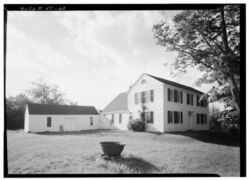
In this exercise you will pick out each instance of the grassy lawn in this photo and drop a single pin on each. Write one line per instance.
(76, 152)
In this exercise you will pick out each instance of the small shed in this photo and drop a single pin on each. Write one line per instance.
(56, 118)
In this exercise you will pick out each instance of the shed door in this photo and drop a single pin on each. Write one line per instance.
(71, 125)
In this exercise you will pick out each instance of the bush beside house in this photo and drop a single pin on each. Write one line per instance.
(136, 125)
(227, 121)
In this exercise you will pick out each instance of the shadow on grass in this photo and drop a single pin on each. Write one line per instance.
(136, 165)
(83, 132)
(211, 137)
(155, 133)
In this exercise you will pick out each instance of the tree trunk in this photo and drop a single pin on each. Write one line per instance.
(235, 92)
(233, 87)
(224, 32)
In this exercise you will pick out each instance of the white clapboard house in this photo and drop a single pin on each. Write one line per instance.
(42, 118)
(169, 106)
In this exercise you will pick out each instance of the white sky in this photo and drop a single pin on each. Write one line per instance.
(92, 55)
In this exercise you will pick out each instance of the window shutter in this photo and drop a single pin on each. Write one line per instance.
(169, 94)
(191, 99)
(181, 118)
(181, 97)
(205, 120)
(187, 98)
(198, 119)
(152, 116)
(169, 116)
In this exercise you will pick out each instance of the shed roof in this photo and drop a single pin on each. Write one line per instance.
(175, 84)
(43, 109)
(120, 103)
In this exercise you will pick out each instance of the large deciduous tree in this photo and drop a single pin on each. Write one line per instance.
(208, 40)
(45, 93)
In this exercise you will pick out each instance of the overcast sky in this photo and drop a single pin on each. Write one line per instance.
(92, 55)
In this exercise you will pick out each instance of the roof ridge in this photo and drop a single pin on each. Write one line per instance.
(44, 109)
(58, 105)
(166, 81)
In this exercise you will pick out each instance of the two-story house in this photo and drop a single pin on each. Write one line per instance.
(168, 106)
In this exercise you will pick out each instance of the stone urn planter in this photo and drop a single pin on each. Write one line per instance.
(111, 148)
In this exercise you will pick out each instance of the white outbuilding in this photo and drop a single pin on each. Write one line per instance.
(56, 118)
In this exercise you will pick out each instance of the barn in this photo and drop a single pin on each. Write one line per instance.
(56, 118)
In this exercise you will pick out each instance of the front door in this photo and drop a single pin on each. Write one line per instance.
(72, 124)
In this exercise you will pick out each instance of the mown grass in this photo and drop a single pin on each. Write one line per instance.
(76, 153)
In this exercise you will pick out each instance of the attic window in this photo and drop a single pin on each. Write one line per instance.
(143, 81)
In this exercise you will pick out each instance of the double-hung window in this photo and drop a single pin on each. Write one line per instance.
(152, 95)
(112, 119)
(170, 95)
(175, 117)
(190, 99)
(48, 121)
(120, 118)
(136, 98)
(179, 96)
(201, 118)
(91, 121)
(149, 117)
(198, 100)
(174, 95)
(143, 97)
(203, 103)
(198, 118)
(170, 117)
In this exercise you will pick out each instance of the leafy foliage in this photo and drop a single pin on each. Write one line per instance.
(15, 108)
(213, 120)
(208, 40)
(46, 93)
(229, 121)
(136, 125)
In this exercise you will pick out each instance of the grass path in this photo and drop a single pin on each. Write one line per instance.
(76, 152)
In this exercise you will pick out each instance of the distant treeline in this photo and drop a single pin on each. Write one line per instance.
(42, 92)
(14, 111)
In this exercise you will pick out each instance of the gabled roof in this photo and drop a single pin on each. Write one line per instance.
(175, 84)
(45, 109)
(120, 103)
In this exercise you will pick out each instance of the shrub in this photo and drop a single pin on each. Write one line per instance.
(214, 124)
(226, 121)
(136, 125)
